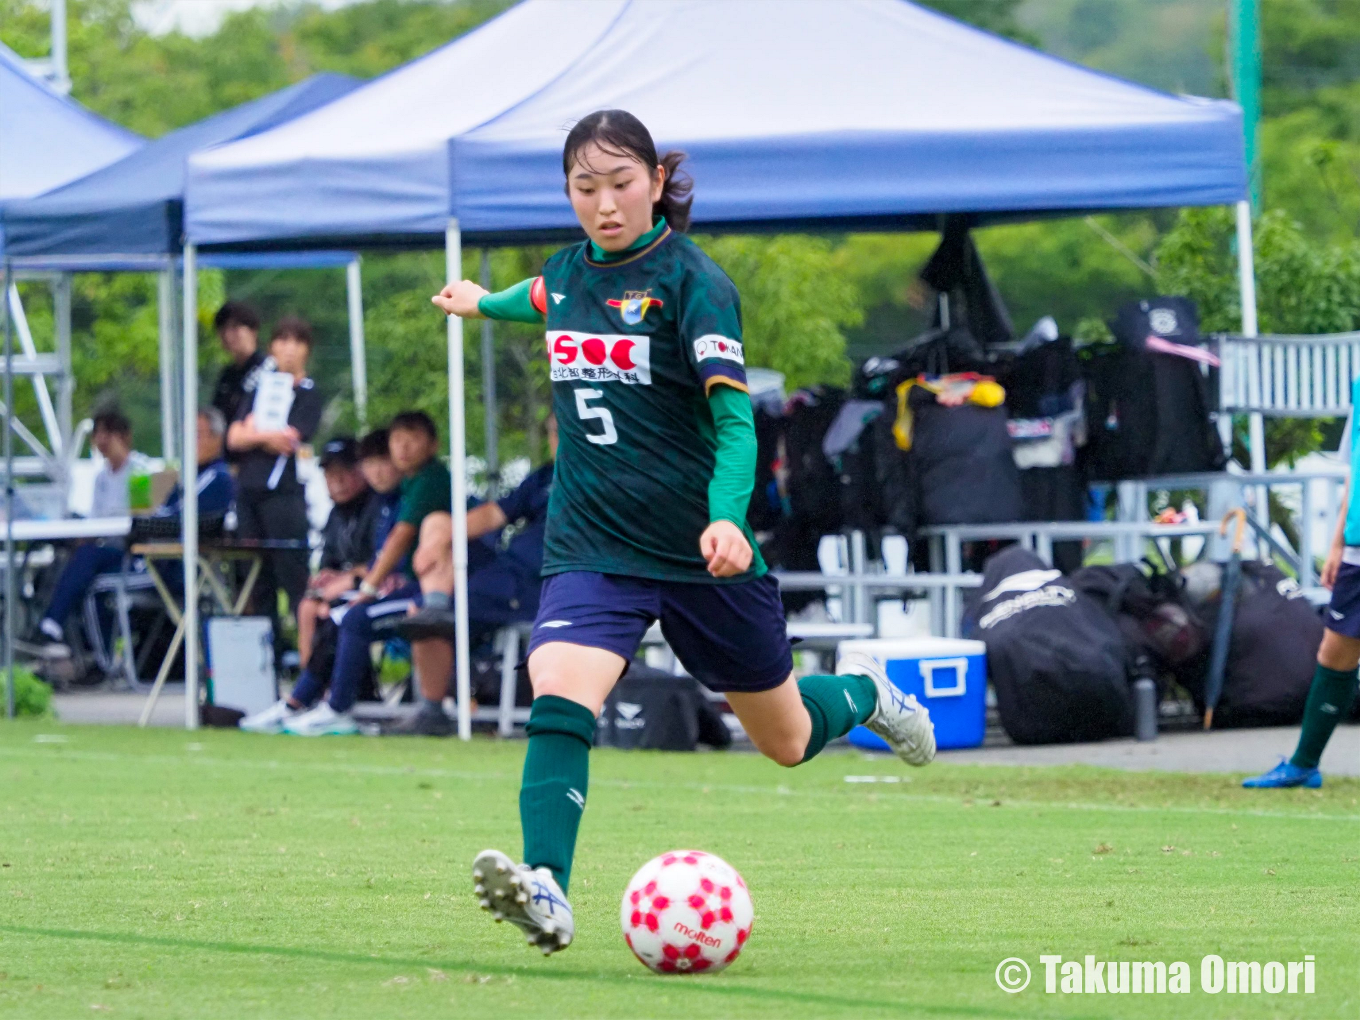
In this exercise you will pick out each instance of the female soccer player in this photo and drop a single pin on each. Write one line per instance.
(647, 518)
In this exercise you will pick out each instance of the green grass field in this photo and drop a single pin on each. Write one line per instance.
(165, 874)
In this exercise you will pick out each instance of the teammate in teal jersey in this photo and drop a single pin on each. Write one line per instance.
(647, 518)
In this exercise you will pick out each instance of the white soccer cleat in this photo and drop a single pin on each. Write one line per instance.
(322, 721)
(899, 718)
(271, 719)
(531, 900)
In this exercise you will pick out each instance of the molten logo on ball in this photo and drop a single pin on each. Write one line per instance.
(686, 912)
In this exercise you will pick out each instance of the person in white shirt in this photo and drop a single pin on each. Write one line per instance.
(112, 437)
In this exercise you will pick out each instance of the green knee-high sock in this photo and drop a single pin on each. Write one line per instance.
(1329, 701)
(553, 792)
(836, 704)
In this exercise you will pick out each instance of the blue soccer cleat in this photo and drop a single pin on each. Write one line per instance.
(1285, 775)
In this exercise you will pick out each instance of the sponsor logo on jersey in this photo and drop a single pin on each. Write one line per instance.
(595, 357)
(715, 346)
(634, 305)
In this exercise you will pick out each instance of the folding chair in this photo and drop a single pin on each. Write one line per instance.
(128, 587)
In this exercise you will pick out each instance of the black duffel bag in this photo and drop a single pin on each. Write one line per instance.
(1054, 657)
(1272, 651)
(651, 710)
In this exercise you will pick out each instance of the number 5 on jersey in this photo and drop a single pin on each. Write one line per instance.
(585, 412)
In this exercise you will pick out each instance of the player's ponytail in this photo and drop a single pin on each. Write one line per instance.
(620, 133)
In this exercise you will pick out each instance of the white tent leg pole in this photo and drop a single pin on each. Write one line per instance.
(11, 589)
(358, 359)
(489, 409)
(165, 308)
(188, 480)
(453, 255)
(1246, 282)
(65, 381)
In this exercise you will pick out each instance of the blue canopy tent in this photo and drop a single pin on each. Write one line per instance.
(872, 114)
(129, 216)
(47, 139)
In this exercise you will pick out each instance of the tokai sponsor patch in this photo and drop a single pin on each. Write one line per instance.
(716, 346)
(597, 357)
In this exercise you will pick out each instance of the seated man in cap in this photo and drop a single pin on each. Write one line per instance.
(363, 484)
(346, 540)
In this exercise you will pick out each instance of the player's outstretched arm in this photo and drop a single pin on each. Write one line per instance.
(461, 299)
(526, 301)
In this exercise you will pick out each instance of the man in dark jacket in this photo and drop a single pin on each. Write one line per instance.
(346, 539)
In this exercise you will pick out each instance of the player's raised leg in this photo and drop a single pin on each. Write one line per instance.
(793, 722)
(733, 638)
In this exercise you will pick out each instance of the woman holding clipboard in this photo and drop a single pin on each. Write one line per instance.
(269, 426)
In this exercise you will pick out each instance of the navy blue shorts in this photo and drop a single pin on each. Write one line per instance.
(1343, 614)
(730, 637)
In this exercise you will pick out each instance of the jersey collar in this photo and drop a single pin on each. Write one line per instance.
(597, 256)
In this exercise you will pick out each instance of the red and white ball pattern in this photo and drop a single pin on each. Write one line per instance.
(686, 912)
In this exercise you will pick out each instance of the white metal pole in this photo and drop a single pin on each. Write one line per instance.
(453, 256)
(11, 589)
(1246, 282)
(489, 406)
(66, 380)
(60, 71)
(165, 307)
(188, 480)
(358, 359)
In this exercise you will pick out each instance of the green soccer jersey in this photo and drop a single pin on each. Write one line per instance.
(634, 344)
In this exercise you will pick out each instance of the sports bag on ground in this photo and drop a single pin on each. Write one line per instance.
(651, 710)
(1151, 610)
(1272, 651)
(1054, 658)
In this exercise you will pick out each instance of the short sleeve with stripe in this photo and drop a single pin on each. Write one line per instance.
(710, 329)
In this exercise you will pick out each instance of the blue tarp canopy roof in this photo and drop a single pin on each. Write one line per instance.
(872, 113)
(46, 139)
(135, 206)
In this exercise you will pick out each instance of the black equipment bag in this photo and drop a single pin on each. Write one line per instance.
(1272, 651)
(1054, 658)
(651, 710)
(894, 475)
(813, 486)
(964, 471)
(1151, 610)
(1149, 409)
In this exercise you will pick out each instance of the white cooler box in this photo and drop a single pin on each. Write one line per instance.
(947, 675)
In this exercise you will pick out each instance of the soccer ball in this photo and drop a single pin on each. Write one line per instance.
(686, 912)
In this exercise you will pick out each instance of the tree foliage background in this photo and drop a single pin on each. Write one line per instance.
(810, 303)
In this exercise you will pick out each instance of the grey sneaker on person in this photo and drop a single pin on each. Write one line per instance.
(426, 721)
